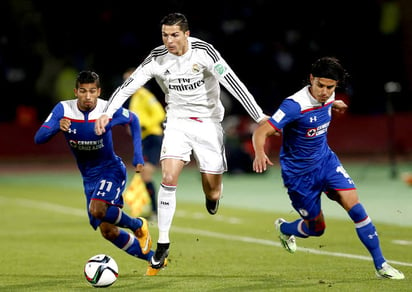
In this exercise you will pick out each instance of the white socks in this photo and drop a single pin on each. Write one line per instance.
(166, 207)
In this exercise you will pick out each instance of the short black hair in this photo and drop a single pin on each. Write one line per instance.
(329, 67)
(87, 77)
(176, 18)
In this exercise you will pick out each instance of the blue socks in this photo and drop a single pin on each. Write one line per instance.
(116, 216)
(364, 228)
(367, 233)
(294, 228)
(130, 244)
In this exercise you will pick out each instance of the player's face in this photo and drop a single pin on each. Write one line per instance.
(87, 95)
(322, 88)
(175, 39)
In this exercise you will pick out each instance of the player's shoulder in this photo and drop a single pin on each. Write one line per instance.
(158, 52)
(69, 106)
(68, 102)
(303, 99)
(203, 47)
(155, 56)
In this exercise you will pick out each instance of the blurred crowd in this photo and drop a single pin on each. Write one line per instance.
(269, 44)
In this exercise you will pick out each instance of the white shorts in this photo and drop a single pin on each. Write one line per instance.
(202, 136)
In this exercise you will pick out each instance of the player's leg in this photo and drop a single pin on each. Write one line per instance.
(212, 188)
(123, 240)
(175, 153)
(341, 189)
(104, 212)
(366, 231)
(210, 154)
(106, 202)
(364, 227)
(304, 193)
(171, 169)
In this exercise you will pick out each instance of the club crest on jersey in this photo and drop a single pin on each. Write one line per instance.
(195, 68)
(220, 69)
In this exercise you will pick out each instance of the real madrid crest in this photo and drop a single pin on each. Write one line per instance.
(195, 68)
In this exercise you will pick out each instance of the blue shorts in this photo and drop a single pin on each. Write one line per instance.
(151, 148)
(305, 190)
(108, 187)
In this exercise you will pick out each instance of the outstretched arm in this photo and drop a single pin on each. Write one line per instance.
(260, 134)
(138, 78)
(52, 125)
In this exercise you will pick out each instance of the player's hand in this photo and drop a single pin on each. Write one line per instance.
(99, 126)
(65, 124)
(264, 120)
(339, 106)
(139, 168)
(261, 162)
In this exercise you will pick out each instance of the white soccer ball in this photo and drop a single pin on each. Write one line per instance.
(101, 271)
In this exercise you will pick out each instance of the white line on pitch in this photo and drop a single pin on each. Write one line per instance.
(78, 212)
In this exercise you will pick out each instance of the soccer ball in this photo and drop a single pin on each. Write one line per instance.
(101, 271)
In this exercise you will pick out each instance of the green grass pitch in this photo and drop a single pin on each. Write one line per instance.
(46, 238)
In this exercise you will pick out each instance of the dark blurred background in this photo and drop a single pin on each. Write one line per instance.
(269, 44)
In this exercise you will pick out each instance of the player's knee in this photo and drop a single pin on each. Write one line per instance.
(109, 232)
(168, 180)
(316, 228)
(98, 209)
(98, 213)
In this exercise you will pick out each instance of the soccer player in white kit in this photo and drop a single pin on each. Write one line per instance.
(190, 72)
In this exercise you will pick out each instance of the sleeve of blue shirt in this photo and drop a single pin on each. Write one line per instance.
(51, 125)
(288, 111)
(124, 116)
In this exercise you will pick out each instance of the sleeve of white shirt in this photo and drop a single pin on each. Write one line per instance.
(222, 71)
(136, 80)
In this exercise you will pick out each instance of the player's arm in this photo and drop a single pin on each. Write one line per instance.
(227, 77)
(259, 136)
(51, 126)
(125, 117)
(136, 80)
(339, 106)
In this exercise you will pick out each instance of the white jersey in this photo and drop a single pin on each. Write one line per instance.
(190, 83)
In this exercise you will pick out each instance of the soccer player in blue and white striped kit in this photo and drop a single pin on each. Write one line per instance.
(310, 167)
(103, 172)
